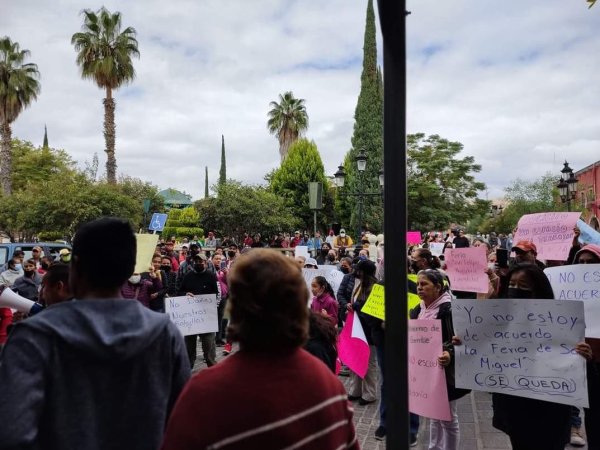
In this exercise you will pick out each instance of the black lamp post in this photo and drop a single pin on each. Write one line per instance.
(339, 179)
(567, 185)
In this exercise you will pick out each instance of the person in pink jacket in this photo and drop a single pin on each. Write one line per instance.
(324, 301)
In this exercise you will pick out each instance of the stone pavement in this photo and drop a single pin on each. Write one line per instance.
(474, 416)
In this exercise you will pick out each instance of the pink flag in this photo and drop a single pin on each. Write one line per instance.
(353, 348)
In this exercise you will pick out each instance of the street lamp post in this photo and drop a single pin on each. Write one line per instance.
(339, 180)
(567, 185)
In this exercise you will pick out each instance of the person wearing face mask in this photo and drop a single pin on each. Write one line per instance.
(135, 288)
(157, 298)
(187, 266)
(200, 281)
(322, 254)
(331, 259)
(589, 254)
(531, 423)
(170, 280)
(28, 285)
(13, 271)
(346, 265)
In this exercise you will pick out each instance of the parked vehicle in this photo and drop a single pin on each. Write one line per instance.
(48, 249)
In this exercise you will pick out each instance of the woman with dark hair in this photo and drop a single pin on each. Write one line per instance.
(364, 389)
(531, 423)
(322, 339)
(324, 301)
(590, 254)
(422, 258)
(436, 304)
(286, 396)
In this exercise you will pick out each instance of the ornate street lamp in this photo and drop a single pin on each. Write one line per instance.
(567, 185)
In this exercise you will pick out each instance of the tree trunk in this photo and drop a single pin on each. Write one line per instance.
(109, 137)
(5, 159)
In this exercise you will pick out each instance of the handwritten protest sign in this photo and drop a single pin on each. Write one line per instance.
(333, 277)
(428, 394)
(466, 269)
(552, 233)
(413, 237)
(521, 347)
(301, 250)
(436, 248)
(193, 315)
(375, 304)
(579, 282)
(146, 246)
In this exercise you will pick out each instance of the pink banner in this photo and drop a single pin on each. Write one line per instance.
(467, 269)
(413, 237)
(353, 348)
(552, 233)
(428, 394)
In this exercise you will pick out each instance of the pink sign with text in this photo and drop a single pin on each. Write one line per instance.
(552, 233)
(466, 268)
(428, 394)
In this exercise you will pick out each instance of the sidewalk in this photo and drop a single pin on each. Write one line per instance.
(474, 416)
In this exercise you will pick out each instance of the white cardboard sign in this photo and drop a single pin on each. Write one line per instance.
(193, 314)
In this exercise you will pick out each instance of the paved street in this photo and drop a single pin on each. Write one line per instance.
(474, 412)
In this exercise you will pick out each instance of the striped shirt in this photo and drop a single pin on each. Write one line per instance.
(263, 401)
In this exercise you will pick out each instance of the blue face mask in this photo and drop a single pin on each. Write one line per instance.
(362, 258)
(18, 266)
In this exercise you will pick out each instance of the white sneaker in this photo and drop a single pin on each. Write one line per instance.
(576, 437)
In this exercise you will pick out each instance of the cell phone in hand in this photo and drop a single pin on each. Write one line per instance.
(502, 257)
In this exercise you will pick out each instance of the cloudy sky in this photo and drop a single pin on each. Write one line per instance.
(517, 82)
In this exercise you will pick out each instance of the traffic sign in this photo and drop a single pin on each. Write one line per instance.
(157, 223)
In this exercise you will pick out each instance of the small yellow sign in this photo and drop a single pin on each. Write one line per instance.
(375, 304)
(146, 246)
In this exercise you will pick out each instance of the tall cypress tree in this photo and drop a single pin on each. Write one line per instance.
(45, 145)
(205, 181)
(223, 171)
(367, 136)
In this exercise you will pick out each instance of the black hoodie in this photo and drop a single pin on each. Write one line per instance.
(90, 374)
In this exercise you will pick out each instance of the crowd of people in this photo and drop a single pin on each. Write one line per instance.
(100, 372)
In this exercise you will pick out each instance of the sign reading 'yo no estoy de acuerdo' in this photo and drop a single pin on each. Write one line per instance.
(193, 314)
(521, 347)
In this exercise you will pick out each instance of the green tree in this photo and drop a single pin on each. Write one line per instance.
(139, 191)
(290, 182)
(104, 55)
(367, 137)
(183, 223)
(441, 186)
(34, 165)
(238, 208)
(287, 120)
(45, 144)
(525, 197)
(223, 170)
(19, 87)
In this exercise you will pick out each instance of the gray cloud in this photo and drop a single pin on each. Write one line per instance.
(515, 82)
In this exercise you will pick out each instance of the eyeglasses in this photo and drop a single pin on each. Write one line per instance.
(35, 251)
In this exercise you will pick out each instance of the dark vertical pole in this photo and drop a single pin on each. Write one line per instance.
(360, 206)
(393, 28)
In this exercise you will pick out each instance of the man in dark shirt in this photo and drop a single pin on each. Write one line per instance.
(461, 241)
(200, 281)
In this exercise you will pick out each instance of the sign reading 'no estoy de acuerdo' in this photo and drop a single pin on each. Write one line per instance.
(193, 314)
(521, 347)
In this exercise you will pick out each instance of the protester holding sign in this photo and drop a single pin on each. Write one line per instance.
(436, 304)
(532, 423)
(271, 393)
(590, 254)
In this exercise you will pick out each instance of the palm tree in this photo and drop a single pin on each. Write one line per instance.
(19, 86)
(287, 120)
(104, 54)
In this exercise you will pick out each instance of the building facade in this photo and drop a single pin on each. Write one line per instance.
(588, 193)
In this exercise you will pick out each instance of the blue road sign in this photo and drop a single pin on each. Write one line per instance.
(157, 223)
